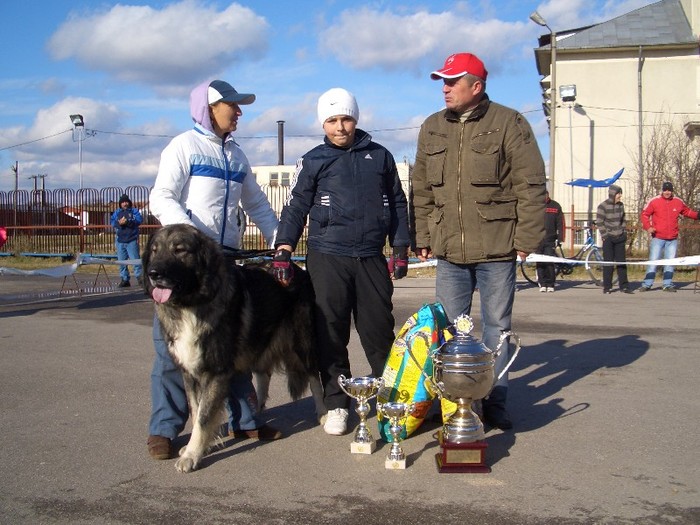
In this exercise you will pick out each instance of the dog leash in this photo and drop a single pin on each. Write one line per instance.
(235, 253)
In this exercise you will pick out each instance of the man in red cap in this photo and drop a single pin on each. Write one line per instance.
(478, 202)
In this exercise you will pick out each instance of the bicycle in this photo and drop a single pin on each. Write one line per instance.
(589, 252)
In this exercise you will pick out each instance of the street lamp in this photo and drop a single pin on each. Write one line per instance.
(79, 128)
(537, 18)
(568, 94)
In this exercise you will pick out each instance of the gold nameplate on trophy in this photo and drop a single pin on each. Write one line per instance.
(462, 457)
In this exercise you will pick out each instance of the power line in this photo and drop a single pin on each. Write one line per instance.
(380, 130)
(37, 140)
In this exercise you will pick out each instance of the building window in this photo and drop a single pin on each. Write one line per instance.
(274, 179)
(285, 178)
(692, 129)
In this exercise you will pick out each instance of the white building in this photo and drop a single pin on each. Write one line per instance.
(628, 74)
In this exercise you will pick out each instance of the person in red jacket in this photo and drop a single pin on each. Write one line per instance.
(660, 219)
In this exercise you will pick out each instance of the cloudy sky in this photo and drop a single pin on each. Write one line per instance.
(128, 69)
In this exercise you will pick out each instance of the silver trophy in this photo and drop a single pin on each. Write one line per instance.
(395, 412)
(464, 372)
(362, 389)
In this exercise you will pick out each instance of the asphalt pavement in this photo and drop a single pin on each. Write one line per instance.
(603, 397)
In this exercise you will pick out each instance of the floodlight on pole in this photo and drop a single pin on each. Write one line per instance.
(568, 94)
(537, 18)
(79, 129)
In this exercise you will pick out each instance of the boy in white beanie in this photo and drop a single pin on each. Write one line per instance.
(350, 190)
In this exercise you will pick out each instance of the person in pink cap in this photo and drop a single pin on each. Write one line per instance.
(478, 202)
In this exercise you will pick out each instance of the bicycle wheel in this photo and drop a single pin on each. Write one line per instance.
(595, 271)
(529, 271)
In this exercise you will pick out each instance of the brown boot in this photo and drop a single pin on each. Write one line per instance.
(159, 447)
(264, 433)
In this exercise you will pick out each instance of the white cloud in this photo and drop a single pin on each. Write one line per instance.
(180, 44)
(365, 38)
(571, 14)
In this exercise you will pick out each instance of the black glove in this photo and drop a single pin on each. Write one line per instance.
(282, 266)
(398, 263)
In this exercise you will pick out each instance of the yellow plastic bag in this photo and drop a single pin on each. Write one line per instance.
(404, 381)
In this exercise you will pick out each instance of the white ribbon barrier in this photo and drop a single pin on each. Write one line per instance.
(58, 271)
(67, 270)
(692, 260)
(82, 259)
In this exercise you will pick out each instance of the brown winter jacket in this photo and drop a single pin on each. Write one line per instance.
(478, 187)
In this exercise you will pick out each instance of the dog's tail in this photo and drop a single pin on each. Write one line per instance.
(297, 383)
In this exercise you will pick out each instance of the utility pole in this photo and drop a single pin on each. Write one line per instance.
(35, 193)
(15, 168)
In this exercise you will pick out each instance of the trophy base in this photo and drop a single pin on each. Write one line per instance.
(395, 464)
(363, 448)
(462, 457)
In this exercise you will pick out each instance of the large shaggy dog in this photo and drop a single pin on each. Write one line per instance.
(219, 318)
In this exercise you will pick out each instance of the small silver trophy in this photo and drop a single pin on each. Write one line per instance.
(362, 389)
(396, 459)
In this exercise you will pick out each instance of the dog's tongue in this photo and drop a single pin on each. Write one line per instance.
(161, 295)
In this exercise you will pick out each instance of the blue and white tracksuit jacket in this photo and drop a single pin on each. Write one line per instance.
(202, 180)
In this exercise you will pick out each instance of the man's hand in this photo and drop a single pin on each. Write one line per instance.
(651, 230)
(398, 263)
(424, 254)
(522, 255)
(282, 266)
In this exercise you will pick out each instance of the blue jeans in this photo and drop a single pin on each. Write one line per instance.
(455, 285)
(128, 250)
(169, 411)
(660, 249)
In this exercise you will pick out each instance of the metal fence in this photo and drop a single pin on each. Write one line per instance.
(63, 222)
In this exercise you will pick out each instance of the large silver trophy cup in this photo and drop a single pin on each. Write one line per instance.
(362, 389)
(464, 372)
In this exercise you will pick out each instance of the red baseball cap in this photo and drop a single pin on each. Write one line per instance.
(460, 64)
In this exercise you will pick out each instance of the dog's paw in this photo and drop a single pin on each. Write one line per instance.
(185, 464)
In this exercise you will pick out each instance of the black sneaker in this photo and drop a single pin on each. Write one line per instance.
(669, 289)
(607, 290)
(124, 284)
(644, 288)
(626, 290)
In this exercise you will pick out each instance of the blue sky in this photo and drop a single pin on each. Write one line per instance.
(128, 69)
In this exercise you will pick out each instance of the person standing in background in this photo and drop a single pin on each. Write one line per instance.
(126, 221)
(660, 219)
(612, 225)
(555, 234)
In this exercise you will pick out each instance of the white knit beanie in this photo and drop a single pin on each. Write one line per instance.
(337, 101)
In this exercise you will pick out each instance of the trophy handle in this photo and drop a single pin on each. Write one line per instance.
(341, 381)
(434, 386)
(504, 336)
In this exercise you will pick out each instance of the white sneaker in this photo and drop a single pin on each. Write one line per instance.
(550, 288)
(336, 422)
(543, 289)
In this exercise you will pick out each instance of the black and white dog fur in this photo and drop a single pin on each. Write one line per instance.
(219, 318)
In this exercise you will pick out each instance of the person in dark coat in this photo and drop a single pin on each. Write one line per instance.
(612, 225)
(555, 234)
